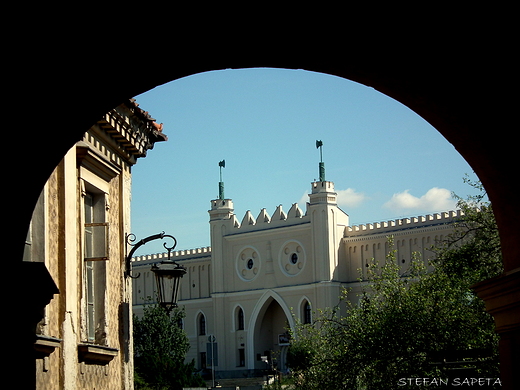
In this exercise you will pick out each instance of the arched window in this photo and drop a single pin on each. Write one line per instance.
(202, 324)
(307, 313)
(240, 319)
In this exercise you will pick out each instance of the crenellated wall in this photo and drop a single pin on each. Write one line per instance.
(295, 214)
(280, 218)
(185, 254)
(403, 224)
(414, 236)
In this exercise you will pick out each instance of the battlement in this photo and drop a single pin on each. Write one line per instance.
(295, 215)
(404, 223)
(175, 255)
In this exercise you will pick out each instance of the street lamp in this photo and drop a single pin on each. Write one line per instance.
(168, 273)
(168, 276)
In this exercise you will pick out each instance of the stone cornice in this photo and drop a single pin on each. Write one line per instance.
(134, 131)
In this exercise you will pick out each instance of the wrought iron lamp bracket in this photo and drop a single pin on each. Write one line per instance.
(130, 239)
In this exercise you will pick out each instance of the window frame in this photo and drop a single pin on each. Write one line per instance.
(240, 324)
(307, 312)
(94, 207)
(201, 325)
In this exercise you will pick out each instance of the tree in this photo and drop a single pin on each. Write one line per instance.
(472, 253)
(160, 349)
(403, 325)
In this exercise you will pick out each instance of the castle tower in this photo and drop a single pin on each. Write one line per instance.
(221, 209)
(328, 223)
(222, 219)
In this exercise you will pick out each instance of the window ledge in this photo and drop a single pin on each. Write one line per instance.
(96, 354)
(45, 345)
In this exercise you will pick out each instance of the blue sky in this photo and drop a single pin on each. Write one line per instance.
(385, 160)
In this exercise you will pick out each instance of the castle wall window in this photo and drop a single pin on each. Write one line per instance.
(240, 319)
(294, 258)
(202, 325)
(203, 360)
(241, 357)
(307, 313)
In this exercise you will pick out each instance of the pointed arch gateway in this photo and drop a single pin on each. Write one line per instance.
(269, 322)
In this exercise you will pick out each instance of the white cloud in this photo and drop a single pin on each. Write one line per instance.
(350, 198)
(435, 199)
(345, 198)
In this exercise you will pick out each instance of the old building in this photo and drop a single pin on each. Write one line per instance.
(263, 273)
(77, 237)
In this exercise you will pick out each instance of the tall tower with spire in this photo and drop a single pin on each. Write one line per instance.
(221, 208)
(328, 223)
(221, 164)
(221, 219)
(322, 190)
(319, 145)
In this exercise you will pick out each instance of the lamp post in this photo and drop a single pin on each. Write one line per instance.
(168, 273)
(168, 276)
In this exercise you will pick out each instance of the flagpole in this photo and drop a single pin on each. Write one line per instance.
(221, 164)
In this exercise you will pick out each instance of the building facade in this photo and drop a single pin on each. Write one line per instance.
(263, 274)
(77, 236)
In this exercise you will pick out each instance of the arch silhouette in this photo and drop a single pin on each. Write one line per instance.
(239, 318)
(304, 301)
(256, 318)
(201, 324)
(462, 91)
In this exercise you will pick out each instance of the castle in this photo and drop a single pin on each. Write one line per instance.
(262, 274)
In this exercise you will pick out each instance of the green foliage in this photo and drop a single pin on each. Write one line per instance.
(160, 348)
(473, 252)
(400, 324)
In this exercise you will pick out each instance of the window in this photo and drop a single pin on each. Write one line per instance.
(95, 252)
(203, 360)
(34, 249)
(307, 313)
(240, 319)
(294, 258)
(96, 228)
(241, 357)
(27, 252)
(180, 323)
(202, 325)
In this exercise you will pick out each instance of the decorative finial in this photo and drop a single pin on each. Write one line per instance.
(319, 144)
(221, 164)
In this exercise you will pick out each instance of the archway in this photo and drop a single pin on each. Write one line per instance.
(440, 85)
(269, 338)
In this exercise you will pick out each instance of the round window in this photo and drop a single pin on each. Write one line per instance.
(294, 258)
(248, 262)
(291, 257)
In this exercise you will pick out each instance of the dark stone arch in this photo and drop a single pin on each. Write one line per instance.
(462, 91)
(270, 320)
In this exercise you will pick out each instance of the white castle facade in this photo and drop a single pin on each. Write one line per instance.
(262, 274)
